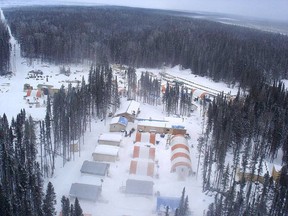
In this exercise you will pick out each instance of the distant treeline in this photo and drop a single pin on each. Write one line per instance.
(149, 38)
(4, 49)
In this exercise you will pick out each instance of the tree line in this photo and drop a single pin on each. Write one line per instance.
(5, 49)
(149, 38)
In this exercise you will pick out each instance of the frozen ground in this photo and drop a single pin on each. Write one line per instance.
(113, 202)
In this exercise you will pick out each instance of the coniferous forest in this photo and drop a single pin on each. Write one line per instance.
(149, 38)
(4, 50)
(250, 129)
(21, 188)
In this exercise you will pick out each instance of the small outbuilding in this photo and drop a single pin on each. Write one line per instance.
(144, 151)
(138, 186)
(95, 168)
(113, 139)
(178, 129)
(118, 124)
(85, 191)
(74, 146)
(106, 153)
(145, 137)
(276, 172)
(142, 167)
(163, 202)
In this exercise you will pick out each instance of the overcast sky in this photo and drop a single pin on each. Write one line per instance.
(271, 9)
(276, 9)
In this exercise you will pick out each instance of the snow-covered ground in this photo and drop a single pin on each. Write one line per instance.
(113, 202)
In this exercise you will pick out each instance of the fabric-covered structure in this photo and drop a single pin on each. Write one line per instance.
(95, 168)
(85, 191)
(163, 202)
(139, 186)
(106, 153)
(199, 94)
(35, 93)
(143, 150)
(142, 167)
(113, 139)
(146, 137)
(180, 156)
(118, 124)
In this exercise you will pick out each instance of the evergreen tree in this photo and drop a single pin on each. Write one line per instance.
(37, 190)
(183, 209)
(167, 211)
(49, 201)
(5, 207)
(77, 208)
(65, 206)
(4, 49)
(72, 210)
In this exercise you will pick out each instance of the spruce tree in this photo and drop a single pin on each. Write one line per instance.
(77, 208)
(65, 203)
(49, 201)
(5, 207)
(72, 210)
(167, 211)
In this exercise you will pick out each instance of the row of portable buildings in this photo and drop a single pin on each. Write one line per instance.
(97, 170)
(143, 169)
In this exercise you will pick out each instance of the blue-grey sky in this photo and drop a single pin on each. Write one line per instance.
(270, 9)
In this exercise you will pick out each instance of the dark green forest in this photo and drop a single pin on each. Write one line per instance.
(149, 38)
(4, 50)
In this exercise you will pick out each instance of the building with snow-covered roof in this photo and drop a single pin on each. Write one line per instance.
(163, 202)
(142, 167)
(106, 153)
(145, 137)
(161, 127)
(180, 156)
(85, 191)
(118, 124)
(144, 151)
(129, 110)
(95, 168)
(113, 139)
(139, 185)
